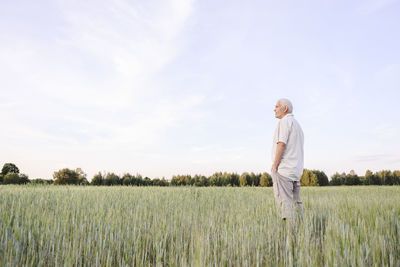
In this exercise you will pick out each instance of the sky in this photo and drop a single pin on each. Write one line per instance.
(189, 87)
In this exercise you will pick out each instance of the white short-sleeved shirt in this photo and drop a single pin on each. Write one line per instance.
(288, 131)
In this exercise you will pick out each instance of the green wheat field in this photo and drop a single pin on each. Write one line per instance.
(192, 226)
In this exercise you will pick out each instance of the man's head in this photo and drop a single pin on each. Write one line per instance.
(283, 107)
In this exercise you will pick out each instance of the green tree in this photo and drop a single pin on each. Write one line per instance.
(11, 178)
(244, 179)
(23, 178)
(368, 178)
(337, 179)
(396, 177)
(41, 181)
(321, 177)
(81, 177)
(112, 179)
(309, 178)
(66, 176)
(9, 167)
(181, 180)
(164, 182)
(384, 176)
(200, 180)
(127, 179)
(137, 180)
(254, 179)
(98, 179)
(234, 179)
(265, 179)
(217, 179)
(147, 181)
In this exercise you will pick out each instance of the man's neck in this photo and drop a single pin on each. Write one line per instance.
(286, 114)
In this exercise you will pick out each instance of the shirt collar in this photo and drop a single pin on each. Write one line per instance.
(288, 115)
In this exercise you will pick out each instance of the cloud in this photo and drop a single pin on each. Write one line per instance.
(97, 72)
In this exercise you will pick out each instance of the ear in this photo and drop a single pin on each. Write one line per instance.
(286, 109)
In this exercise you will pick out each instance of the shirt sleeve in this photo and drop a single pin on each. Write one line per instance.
(284, 131)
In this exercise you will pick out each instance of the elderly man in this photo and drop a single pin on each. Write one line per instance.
(288, 159)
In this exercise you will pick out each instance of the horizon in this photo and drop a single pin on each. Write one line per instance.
(167, 88)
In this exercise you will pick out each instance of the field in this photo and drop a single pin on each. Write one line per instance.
(190, 226)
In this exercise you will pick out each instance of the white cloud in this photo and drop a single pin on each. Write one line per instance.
(93, 81)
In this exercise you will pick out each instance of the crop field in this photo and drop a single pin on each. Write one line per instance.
(192, 226)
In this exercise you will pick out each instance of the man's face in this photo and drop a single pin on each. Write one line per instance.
(280, 110)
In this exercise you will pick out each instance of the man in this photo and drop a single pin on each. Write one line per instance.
(288, 159)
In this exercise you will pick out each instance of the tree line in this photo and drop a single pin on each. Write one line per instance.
(10, 174)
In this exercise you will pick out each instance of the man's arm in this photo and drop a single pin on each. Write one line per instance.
(280, 148)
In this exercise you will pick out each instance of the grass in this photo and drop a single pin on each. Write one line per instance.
(189, 226)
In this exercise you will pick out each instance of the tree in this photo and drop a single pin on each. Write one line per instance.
(23, 178)
(352, 179)
(164, 182)
(81, 177)
(112, 179)
(137, 180)
(66, 176)
(127, 179)
(200, 180)
(181, 180)
(11, 178)
(396, 177)
(368, 177)
(254, 179)
(217, 179)
(9, 167)
(244, 179)
(265, 179)
(309, 178)
(98, 179)
(41, 181)
(321, 177)
(147, 181)
(337, 179)
(386, 176)
(235, 179)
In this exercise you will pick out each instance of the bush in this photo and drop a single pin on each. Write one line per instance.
(66, 176)
(41, 181)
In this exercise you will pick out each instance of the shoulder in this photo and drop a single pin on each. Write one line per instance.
(287, 121)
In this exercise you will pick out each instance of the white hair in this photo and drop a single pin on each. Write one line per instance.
(286, 102)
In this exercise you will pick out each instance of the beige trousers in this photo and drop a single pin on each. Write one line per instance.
(287, 194)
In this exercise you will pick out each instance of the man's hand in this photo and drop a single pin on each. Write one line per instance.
(274, 168)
